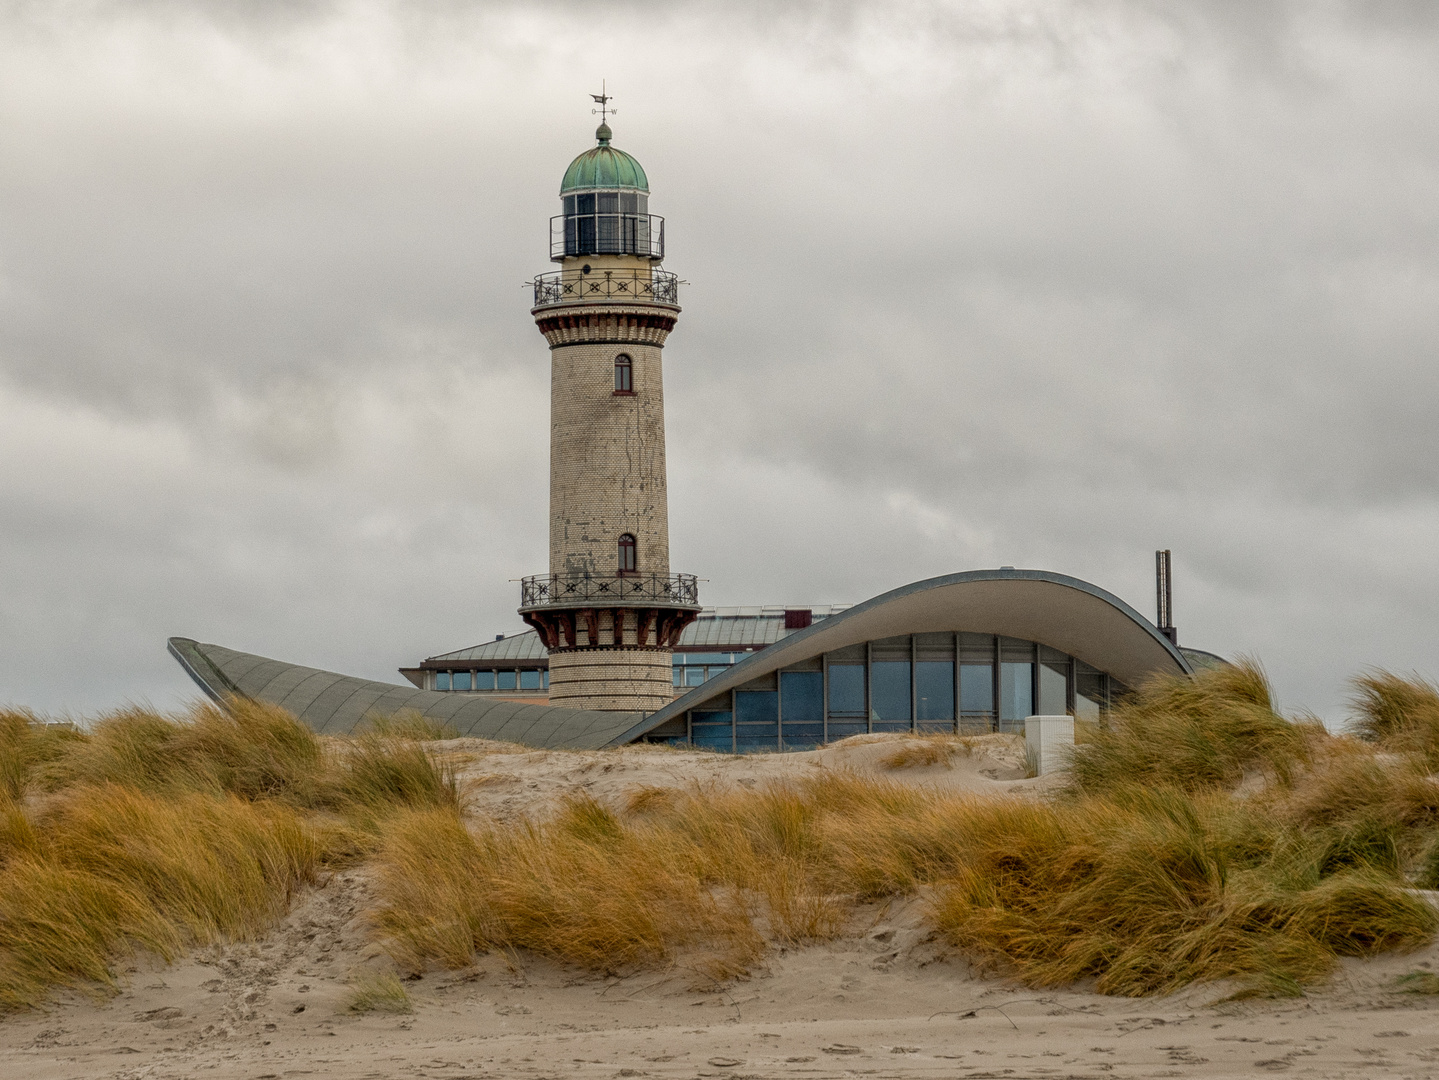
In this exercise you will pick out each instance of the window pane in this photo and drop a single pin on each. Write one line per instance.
(843, 729)
(678, 674)
(846, 690)
(694, 676)
(460, 680)
(506, 679)
(530, 680)
(1053, 688)
(712, 730)
(934, 693)
(1016, 695)
(609, 202)
(756, 720)
(585, 204)
(442, 680)
(889, 695)
(802, 708)
(802, 696)
(484, 680)
(976, 689)
(627, 202)
(545, 678)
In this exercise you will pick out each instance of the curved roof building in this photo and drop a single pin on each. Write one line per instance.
(970, 652)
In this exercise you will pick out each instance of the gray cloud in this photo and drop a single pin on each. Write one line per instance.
(1046, 284)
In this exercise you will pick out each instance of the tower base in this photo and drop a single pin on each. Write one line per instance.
(612, 680)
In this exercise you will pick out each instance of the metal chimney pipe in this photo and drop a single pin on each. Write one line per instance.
(1164, 595)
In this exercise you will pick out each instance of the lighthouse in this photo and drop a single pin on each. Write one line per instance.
(609, 610)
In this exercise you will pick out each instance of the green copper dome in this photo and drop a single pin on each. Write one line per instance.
(604, 167)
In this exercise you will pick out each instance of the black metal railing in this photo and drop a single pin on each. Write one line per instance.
(612, 590)
(607, 234)
(606, 286)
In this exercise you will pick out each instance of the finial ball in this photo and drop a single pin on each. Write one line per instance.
(604, 134)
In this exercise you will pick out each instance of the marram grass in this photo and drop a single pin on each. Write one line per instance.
(1202, 837)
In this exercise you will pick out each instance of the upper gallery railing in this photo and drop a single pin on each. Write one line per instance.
(607, 234)
(610, 590)
(606, 286)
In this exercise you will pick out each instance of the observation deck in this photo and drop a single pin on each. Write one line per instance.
(615, 286)
(609, 590)
(609, 611)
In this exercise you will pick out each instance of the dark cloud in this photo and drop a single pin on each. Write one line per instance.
(1044, 284)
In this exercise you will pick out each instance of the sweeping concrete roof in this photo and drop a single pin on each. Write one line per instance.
(1062, 612)
(333, 704)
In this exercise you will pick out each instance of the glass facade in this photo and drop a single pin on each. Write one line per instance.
(609, 223)
(967, 683)
(493, 679)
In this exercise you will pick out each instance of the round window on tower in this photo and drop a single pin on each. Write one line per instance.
(624, 374)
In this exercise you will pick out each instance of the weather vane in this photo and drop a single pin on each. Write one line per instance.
(603, 99)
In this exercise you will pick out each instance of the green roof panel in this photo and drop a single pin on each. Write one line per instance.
(604, 167)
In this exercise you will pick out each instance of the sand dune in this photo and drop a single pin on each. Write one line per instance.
(888, 1000)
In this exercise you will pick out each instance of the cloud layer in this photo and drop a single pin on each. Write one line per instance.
(1042, 284)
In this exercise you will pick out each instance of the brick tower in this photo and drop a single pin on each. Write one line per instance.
(609, 610)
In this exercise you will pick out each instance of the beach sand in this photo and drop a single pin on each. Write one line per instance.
(888, 1000)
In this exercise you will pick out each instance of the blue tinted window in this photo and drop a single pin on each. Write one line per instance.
(976, 689)
(460, 680)
(704, 658)
(530, 680)
(678, 674)
(756, 720)
(802, 708)
(484, 680)
(846, 690)
(934, 691)
(694, 676)
(1016, 694)
(802, 696)
(505, 679)
(712, 730)
(545, 678)
(442, 680)
(889, 695)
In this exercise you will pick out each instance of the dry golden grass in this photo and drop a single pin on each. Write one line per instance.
(1197, 734)
(582, 889)
(111, 868)
(1401, 715)
(1149, 874)
(160, 833)
(379, 992)
(919, 751)
(1145, 892)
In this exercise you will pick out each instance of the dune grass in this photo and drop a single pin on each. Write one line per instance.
(924, 750)
(160, 833)
(379, 992)
(1164, 862)
(1145, 893)
(110, 869)
(1399, 714)
(1197, 734)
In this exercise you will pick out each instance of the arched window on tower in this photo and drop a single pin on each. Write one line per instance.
(624, 374)
(627, 554)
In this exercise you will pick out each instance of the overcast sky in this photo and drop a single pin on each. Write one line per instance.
(1046, 284)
